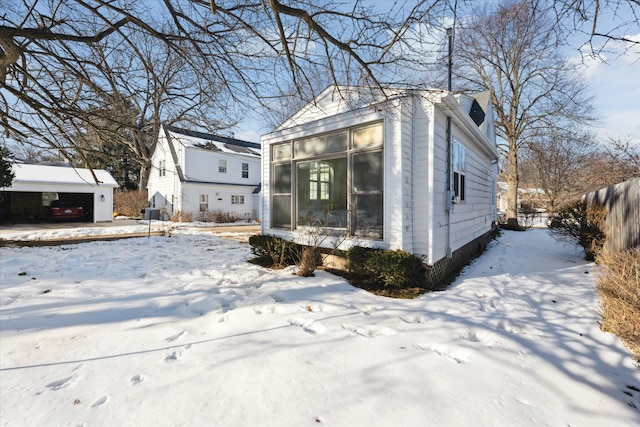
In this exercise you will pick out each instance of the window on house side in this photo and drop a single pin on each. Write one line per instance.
(245, 170)
(222, 166)
(237, 200)
(162, 168)
(204, 202)
(459, 170)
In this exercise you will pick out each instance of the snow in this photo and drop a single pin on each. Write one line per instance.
(182, 330)
(38, 174)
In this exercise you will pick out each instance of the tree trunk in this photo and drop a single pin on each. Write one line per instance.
(512, 190)
(145, 171)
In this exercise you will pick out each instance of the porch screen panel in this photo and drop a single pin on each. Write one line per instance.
(281, 215)
(367, 196)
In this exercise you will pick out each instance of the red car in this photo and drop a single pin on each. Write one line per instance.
(61, 210)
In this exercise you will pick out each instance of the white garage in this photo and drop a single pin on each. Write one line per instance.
(34, 187)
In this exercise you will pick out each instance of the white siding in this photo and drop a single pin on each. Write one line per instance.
(422, 124)
(473, 217)
(219, 197)
(202, 165)
(164, 190)
(438, 186)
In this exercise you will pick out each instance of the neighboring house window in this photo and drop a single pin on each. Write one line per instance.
(162, 167)
(153, 201)
(222, 166)
(245, 170)
(459, 170)
(237, 200)
(204, 202)
(338, 181)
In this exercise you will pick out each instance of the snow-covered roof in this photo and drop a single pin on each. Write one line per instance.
(41, 174)
(208, 141)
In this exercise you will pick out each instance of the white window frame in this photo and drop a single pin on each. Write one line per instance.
(204, 202)
(237, 200)
(459, 171)
(162, 167)
(222, 166)
(245, 170)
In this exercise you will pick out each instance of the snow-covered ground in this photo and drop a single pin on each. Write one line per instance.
(181, 330)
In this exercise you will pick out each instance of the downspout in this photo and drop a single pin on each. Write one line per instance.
(448, 194)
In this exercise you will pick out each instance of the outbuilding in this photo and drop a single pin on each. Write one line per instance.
(34, 187)
(413, 170)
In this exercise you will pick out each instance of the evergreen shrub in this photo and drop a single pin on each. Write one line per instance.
(394, 268)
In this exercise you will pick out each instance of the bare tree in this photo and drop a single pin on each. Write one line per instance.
(555, 164)
(63, 61)
(625, 151)
(589, 17)
(514, 53)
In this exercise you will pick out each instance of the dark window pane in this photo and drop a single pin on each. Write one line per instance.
(367, 172)
(456, 187)
(282, 179)
(368, 213)
(282, 211)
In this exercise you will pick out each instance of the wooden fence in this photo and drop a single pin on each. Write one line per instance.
(622, 202)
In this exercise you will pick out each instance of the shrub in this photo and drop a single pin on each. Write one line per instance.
(308, 259)
(581, 223)
(280, 252)
(129, 203)
(619, 290)
(218, 217)
(394, 268)
(181, 216)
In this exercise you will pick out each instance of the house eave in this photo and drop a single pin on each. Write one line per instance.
(452, 108)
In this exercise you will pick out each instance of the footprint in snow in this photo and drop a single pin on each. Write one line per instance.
(174, 355)
(137, 379)
(175, 336)
(100, 401)
(481, 336)
(61, 383)
(369, 331)
(309, 326)
(455, 355)
(418, 318)
(365, 309)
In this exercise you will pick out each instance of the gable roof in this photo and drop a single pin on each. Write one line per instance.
(44, 174)
(471, 111)
(212, 142)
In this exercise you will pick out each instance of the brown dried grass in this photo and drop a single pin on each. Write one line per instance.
(129, 203)
(619, 290)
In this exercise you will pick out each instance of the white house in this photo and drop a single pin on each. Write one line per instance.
(36, 186)
(198, 173)
(406, 169)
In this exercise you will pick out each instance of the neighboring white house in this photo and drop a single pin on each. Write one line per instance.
(411, 169)
(198, 173)
(528, 198)
(36, 186)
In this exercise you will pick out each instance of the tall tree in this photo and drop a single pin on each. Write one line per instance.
(554, 164)
(54, 79)
(514, 52)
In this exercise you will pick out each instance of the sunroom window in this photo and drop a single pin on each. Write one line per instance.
(322, 193)
(333, 180)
